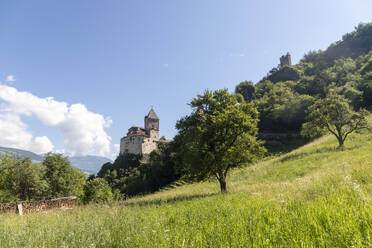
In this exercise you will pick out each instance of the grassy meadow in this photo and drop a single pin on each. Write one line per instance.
(315, 196)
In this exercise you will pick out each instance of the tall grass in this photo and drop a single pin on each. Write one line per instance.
(316, 196)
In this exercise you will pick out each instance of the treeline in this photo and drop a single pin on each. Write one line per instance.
(21, 180)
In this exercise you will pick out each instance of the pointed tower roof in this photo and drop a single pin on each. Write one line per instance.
(152, 115)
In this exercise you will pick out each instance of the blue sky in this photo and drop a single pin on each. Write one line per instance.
(118, 58)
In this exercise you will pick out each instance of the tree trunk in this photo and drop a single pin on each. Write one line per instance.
(339, 138)
(340, 142)
(222, 181)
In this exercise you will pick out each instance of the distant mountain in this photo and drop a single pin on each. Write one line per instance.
(22, 153)
(90, 164)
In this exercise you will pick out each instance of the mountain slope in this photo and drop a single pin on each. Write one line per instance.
(90, 164)
(22, 153)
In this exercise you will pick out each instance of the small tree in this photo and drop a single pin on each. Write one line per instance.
(98, 191)
(220, 134)
(333, 114)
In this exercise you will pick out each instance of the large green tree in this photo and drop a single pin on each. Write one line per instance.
(63, 179)
(334, 114)
(218, 135)
(21, 180)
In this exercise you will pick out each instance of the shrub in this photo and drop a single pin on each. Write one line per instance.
(97, 191)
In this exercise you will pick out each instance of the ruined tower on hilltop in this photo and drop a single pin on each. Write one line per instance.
(285, 60)
(142, 140)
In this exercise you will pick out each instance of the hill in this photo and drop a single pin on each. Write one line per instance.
(21, 153)
(89, 164)
(284, 95)
(315, 196)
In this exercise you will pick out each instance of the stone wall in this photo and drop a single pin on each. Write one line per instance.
(149, 145)
(38, 206)
(139, 144)
(131, 144)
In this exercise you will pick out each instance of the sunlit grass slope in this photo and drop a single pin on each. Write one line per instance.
(316, 196)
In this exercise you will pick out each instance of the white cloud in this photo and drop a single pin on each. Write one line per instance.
(60, 151)
(10, 78)
(116, 151)
(83, 131)
(42, 145)
(14, 134)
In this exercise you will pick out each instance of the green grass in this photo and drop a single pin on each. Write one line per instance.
(315, 196)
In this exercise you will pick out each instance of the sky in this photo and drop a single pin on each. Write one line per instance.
(76, 74)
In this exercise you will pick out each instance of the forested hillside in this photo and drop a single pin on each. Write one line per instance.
(285, 94)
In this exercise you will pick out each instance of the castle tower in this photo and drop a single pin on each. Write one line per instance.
(142, 140)
(285, 60)
(152, 124)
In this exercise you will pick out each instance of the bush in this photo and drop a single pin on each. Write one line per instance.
(97, 191)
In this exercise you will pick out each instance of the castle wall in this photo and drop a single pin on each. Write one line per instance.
(149, 145)
(154, 134)
(131, 144)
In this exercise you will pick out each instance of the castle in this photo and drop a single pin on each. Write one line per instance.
(285, 60)
(141, 140)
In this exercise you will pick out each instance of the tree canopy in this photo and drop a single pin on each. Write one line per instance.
(133, 175)
(63, 179)
(334, 114)
(246, 89)
(218, 135)
(20, 179)
(97, 190)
